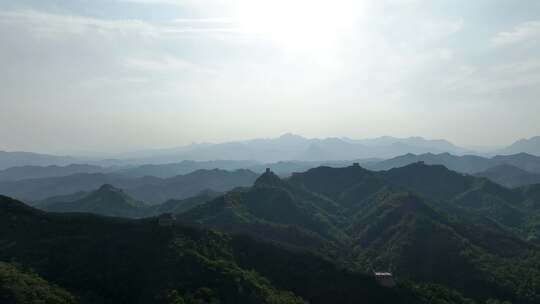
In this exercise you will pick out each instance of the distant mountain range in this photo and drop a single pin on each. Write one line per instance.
(465, 163)
(183, 167)
(510, 176)
(111, 201)
(530, 146)
(26, 172)
(294, 147)
(288, 147)
(155, 184)
(151, 190)
(168, 170)
(507, 170)
(14, 159)
(107, 200)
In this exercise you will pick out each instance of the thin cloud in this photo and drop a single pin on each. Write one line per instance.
(160, 63)
(51, 25)
(524, 32)
(191, 3)
(152, 2)
(206, 20)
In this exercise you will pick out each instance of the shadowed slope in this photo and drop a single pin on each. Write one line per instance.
(107, 200)
(111, 260)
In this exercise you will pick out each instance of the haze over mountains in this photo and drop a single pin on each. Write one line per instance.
(531, 146)
(269, 152)
(284, 155)
(152, 190)
(155, 184)
(510, 176)
(470, 237)
(465, 163)
(111, 201)
(451, 227)
(107, 200)
(288, 147)
(14, 159)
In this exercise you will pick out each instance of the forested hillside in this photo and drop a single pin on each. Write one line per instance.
(106, 260)
(424, 223)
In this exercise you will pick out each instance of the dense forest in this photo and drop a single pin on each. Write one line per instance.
(424, 223)
(317, 236)
(113, 260)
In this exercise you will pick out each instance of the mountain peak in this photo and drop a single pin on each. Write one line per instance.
(110, 192)
(268, 179)
(421, 167)
(505, 167)
(291, 137)
(528, 145)
(11, 206)
(108, 188)
(107, 200)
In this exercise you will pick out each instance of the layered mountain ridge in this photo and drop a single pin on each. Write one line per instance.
(423, 222)
(112, 260)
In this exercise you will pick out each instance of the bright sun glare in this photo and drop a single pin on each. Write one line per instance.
(299, 25)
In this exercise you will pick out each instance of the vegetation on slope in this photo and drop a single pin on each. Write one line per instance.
(19, 286)
(111, 260)
(465, 235)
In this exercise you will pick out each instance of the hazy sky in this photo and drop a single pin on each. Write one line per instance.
(116, 75)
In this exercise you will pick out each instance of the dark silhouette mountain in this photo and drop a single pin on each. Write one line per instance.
(510, 176)
(111, 201)
(514, 209)
(112, 260)
(61, 198)
(28, 172)
(462, 163)
(282, 168)
(357, 189)
(286, 168)
(42, 188)
(184, 167)
(179, 206)
(432, 181)
(530, 146)
(151, 190)
(107, 200)
(523, 161)
(15, 159)
(347, 186)
(466, 163)
(476, 194)
(184, 186)
(273, 210)
(424, 223)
